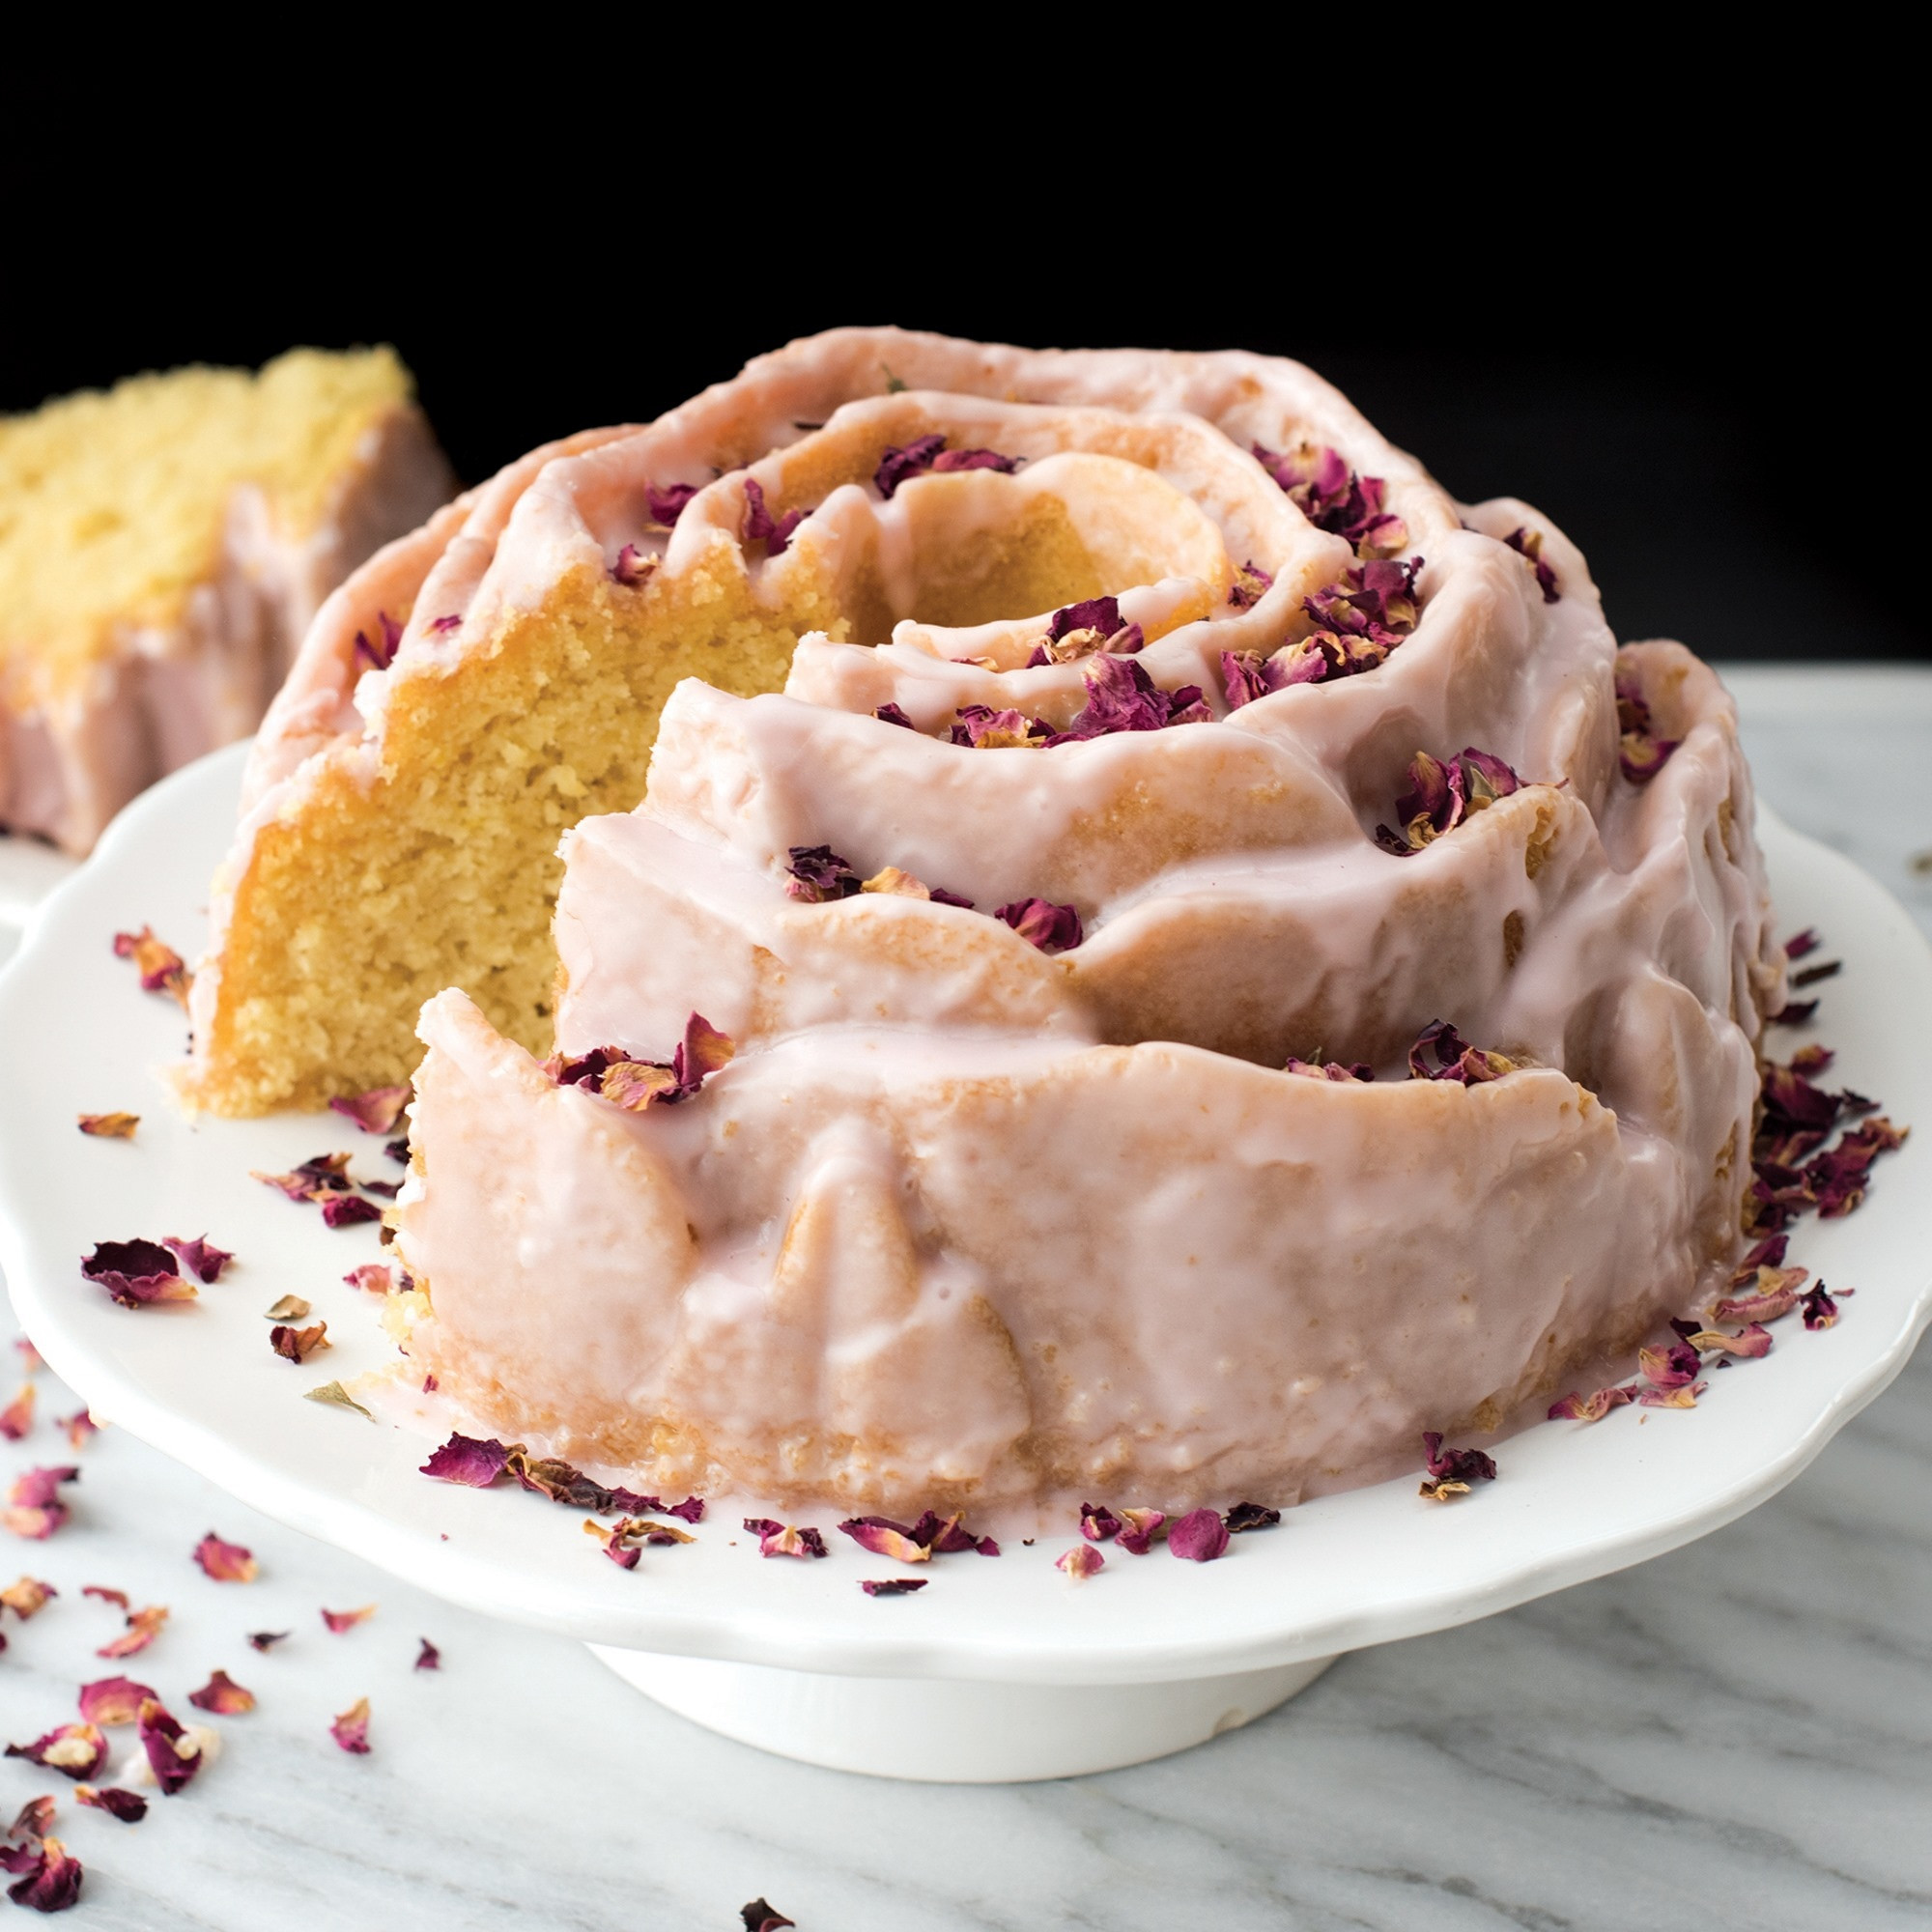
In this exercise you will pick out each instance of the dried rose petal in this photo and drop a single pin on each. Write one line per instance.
(137, 1273)
(129, 1806)
(1592, 1407)
(1751, 1342)
(1053, 928)
(1801, 943)
(111, 1701)
(1670, 1367)
(1245, 1516)
(1528, 545)
(1139, 1528)
(633, 566)
(350, 1730)
(667, 504)
(332, 1395)
(31, 1821)
(758, 1917)
(345, 1620)
(225, 1562)
(1097, 1522)
(1441, 1489)
(1121, 696)
(290, 1308)
(1358, 1072)
(16, 1419)
(34, 1509)
(382, 653)
(53, 1880)
(1251, 585)
(818, 874)
(264, 1640)
(377, 1111)
(1080, 1562)
(348, 1210)
(372, 1277)
(1793, 1012)
(144, 1625)
(442, 626)
(80, 1426)
(758, 524)
(1457, 1466)
(891, 714)
(110, 1127)
(1821, 1308)
(890, 1586)
(222, 1695)
(1774, 1294)
(27, 1597)
(1198, 1537)
(118, 1598)
(1639, 752)
(1455, 1058)
(74, 1750)
(883, 1538)
(428, 1658)
(161, 966)
(1676, 1397)
(1332, 497)
(982, 728)
(778, 1539)
(474, 1460)
(200, 1256)
(314, 1180)
(297, 1345)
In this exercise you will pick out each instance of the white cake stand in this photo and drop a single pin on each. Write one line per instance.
(1001, 1669)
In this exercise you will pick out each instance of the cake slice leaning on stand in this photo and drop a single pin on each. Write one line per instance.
(985, 1073)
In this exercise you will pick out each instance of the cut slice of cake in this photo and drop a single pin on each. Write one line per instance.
(164, 547)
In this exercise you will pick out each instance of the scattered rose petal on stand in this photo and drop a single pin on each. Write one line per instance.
(110, 1127)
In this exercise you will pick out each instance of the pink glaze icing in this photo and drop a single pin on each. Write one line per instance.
(964, 1223)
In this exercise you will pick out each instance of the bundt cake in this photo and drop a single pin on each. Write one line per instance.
(164, 546)
(1156, 954)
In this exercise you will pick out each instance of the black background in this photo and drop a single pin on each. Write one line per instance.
(1731, 437)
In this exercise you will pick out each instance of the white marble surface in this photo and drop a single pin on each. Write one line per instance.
(1737, 1734)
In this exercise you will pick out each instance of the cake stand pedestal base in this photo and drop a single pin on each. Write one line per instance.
(947, 1731)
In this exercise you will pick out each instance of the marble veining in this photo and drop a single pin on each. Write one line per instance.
(1740, 1733)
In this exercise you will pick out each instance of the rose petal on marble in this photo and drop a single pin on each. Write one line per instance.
(161, 966)
(144, 1625)
(1460, 1465)
(32, 1821)
(1245, 1516)
(1080, 1562)
(1821, 1307)
(634, 567)
(137, 1273)
(129, 1806)
(34, 1510)
(265, 1641)
(1528, 545)
(1670, 1367)
(200, 1256)
(225, 1562)
(377, 1111)
(222, 1695)
(118, 1598)
(80, 1428)
(51, 1881)
(1139, 1528)
(758, 1917)
(818, 875)
(27, 1597)
(1672, 1398)
(74, 1750)
(474, 1460)
(1591, 1408)
(892, 1586)
(350, 1729)
(428, 1658)
(1199, 1537)
(297, 1345)
(883, 1538)
(1053, 928)
(339, 1621)
(16, 1419)
(332, 1395)
(1251, 585)
(111, 1701)
(110, 1127)
(1097, 1522)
